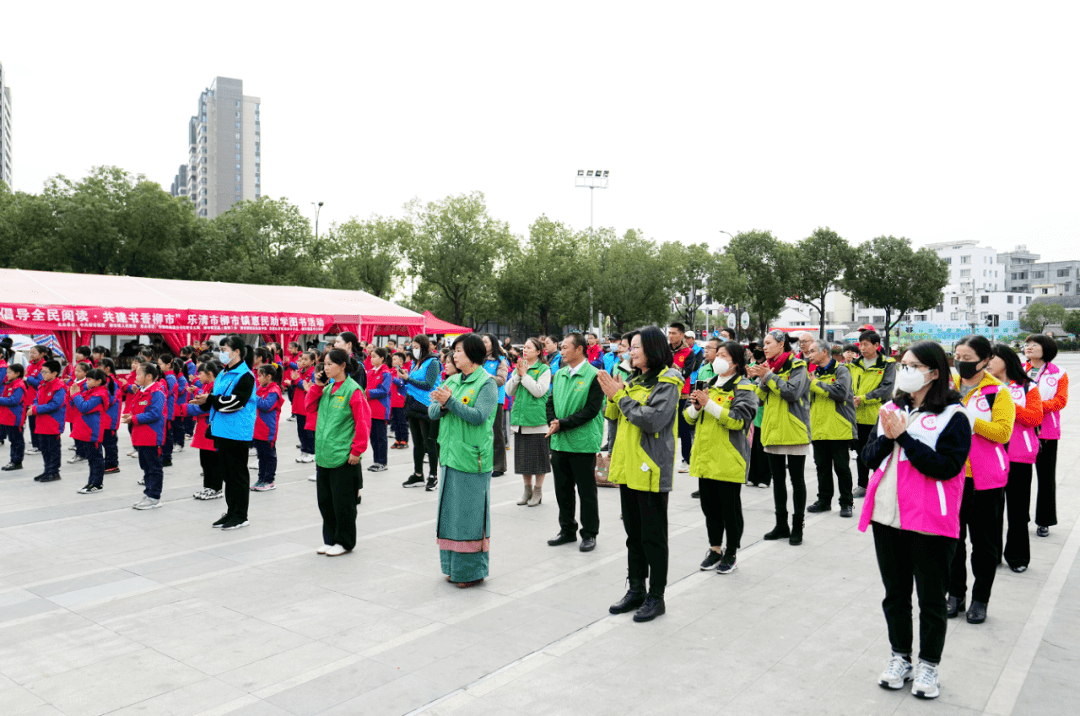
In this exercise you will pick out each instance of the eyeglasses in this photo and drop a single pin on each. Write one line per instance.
(916, 365)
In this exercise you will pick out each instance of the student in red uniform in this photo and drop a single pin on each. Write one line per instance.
(379, 379)
(91, 401)
(48, 411)
(147, 418)
(268, 411)
(76, 379)
(301, 380)
(13, 413)
(112, 418)
(99, 353)
(398, 422)
(212, 477)
(288, 365)
(38, 356)
(178, 432)
(168, 377)
(129, 390)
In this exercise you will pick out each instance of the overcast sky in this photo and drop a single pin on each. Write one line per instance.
(936, 121)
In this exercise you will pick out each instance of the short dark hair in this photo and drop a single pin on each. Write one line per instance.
(737, 351)
(577, 339)
(851, 348)
(718, 341)
(382, 353)
(17, 369)
(941, 393)
(52, 365)
(680, 327)
(1049, 346)
(979, 344)
(730, 333)
(871, 336)
(657, 350)
(473, 347)
(166, 358)
(83, 351)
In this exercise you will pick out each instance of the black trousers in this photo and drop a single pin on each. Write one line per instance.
(34, 439)
(378, 441)
(646, 522)
(232, 459)
(904, 556)
(150, 464)
(1046, 468)
(796, 467)
(575, 474)
(686, 432)
(112, 454)
(336, 488)
(50, 452)
(721, 502)
(399, 424)
(981, 515)
(498, 460)
(830, 456)
(167, 445)
(211, 470)
(863, 433)
(760, 473)
(1018, 509)
(425, 438)
(267, 454)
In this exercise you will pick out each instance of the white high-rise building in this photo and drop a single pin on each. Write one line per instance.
(5, 130)
(224, 150)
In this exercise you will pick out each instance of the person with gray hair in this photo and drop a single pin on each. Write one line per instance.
(832, 426)
(806, 342)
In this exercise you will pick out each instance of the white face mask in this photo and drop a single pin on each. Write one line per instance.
(720, 366)
(224, 357)
(910, 380)
(416, 353)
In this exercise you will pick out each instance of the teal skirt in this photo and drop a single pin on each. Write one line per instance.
(463, 528)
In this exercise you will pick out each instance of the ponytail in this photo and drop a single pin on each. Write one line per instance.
(273, 370)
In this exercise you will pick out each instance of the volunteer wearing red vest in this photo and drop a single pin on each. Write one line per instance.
(268, 412)
(48, 414)
(13, 414)
(213, 479)
(918, 450)
(91, 401)
(38, 356)
(147, 418)
(992, 413)
(1053, 384)
(379, 380)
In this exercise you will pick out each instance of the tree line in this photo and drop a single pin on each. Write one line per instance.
(462, 263)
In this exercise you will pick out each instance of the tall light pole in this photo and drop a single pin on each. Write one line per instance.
(318, 208)
(591, 179)
(738, 309)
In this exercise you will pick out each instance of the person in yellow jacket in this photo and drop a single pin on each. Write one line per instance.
(643, 464)
(832, 426)
(992, 412)
(722, 416)
(873, 377)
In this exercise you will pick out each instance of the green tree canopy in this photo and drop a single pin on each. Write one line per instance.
(1041, 315)
(691, 267)
(366, 254)
(820, 261)
(767, 264)
(1071, 324)
(633, 284)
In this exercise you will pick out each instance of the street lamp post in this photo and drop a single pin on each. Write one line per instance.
(591, 179)
(738, 309)
(318, 208)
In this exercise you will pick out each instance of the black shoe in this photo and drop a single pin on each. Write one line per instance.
(497, 473)
(727, 563)
(953, 607)
(696, 494)
(359, 498)
(221, 522)
(562, 538)
(629, 603)
(112, 470)
(432, 483)
(11, 466)
(413, 481)
(818, 507)
(53, 477)
(166, 463)
(588, 544)
(651, 609)
(796, 537)
(711, 560)
(38, 478)
(778, 532)
(845, 511)
(1042, 532)
(977, 613)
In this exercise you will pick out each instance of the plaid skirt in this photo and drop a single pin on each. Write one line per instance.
(532, 454)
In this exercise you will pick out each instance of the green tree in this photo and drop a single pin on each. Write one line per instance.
(28, 238)
(819, 266)
(767, 264)
(366, 254)
(887, 273)
(456, 248)
(1071, 324)
(727, 285)
(1041, 315)
(691, 267)
(633, 284)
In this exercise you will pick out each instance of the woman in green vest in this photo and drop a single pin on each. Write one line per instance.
(643, 465)
(341, 437)
(465, 407)
(528, 386)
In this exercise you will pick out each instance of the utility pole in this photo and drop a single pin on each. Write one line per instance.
(318, 208)
(592, 179)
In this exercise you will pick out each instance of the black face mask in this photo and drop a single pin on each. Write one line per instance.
(966, 368)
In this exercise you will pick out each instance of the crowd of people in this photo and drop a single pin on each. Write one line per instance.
(944, 445)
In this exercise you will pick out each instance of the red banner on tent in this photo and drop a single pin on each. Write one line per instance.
(45, 319)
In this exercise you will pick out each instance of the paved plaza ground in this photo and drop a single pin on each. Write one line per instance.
(107, 610)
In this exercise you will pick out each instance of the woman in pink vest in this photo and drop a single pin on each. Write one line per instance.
(992, 413)
(1023, 451)
(917, 451)
(1053, 384)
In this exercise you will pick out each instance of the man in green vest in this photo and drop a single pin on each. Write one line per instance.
(576, 429)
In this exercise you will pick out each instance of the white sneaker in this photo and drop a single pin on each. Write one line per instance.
(925, 685)
(313, 478)
(897, 672)
(684, 467)
(322, 548)
(335, 551)
(307, 458)
(33, 451)
(147, 503)
(76, 459)
(215, 494)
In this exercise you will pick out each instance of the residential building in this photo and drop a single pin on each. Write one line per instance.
(1025, 273)
(224, 163)
(5, 130)
(967, 260)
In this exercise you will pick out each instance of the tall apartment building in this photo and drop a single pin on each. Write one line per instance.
(970, 263)
(224, 163)
(1026, 274)
(5, 129)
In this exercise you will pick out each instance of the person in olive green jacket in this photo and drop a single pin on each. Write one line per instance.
(576, 429)
(722, 416)
(643, 465)
(465, 407)
(832, 426)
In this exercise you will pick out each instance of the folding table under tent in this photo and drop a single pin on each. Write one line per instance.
(71, 306)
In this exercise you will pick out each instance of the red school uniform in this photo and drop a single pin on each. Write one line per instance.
(300, 388)
(70, 413)
(90, 425)
(199, 441)
(49, 407)
(268, 412)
